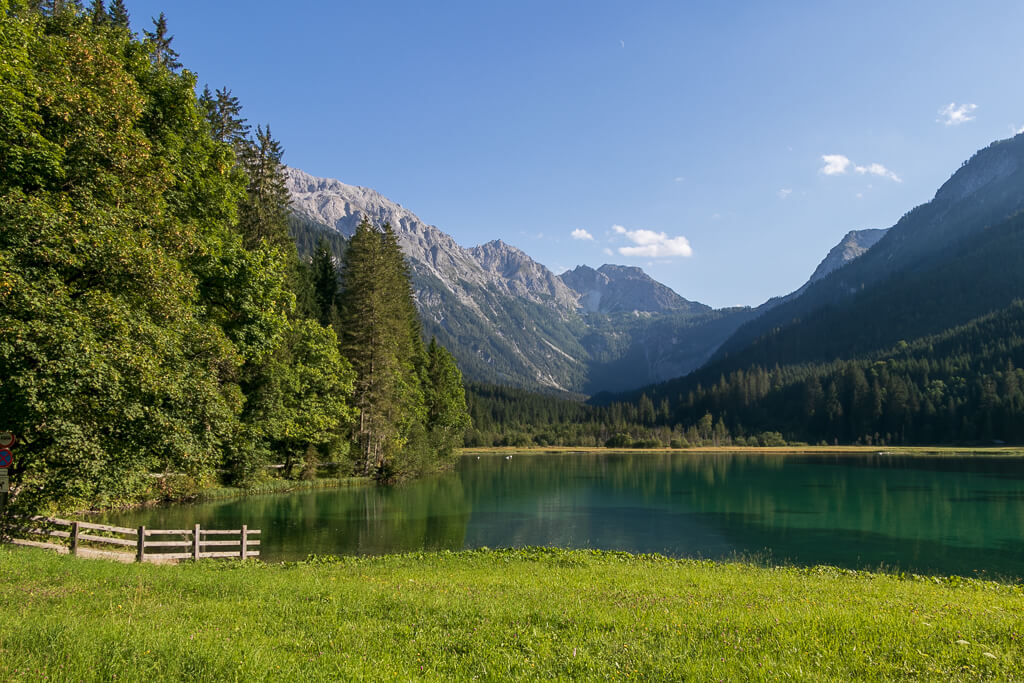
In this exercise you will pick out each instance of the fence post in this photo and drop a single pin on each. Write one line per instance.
(140, 553)
(74, 538)
(245, 538)
(195, 543)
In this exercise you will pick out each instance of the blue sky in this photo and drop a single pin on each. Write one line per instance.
(723, 147)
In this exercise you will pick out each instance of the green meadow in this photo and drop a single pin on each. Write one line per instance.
(497, 615)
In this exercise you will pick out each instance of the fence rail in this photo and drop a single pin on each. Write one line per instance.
(146, 550)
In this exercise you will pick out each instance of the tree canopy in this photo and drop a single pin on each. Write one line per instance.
(148, 285)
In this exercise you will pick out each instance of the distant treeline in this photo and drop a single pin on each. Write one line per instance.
(963, 386)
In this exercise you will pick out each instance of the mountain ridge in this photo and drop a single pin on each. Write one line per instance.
(509, 319)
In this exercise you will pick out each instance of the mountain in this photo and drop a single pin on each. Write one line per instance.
(853, 245)
(508, 319)
(892, 291)
(624, 289)
(946, 263)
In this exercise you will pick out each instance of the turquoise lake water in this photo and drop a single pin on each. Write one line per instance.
(946, 515)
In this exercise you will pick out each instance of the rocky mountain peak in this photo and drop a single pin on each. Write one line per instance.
(622, 289)
(522, 275)
(852, 246)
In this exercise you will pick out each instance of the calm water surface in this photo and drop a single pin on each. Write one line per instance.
(944, 515)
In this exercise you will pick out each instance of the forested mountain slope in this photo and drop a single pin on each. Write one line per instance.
(957, 224)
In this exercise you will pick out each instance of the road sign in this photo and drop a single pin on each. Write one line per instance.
(6, 457)
(7, 439)
(5, 483)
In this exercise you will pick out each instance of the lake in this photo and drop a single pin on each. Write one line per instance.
(942, 514)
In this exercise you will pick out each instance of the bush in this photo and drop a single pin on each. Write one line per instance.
(620, 440)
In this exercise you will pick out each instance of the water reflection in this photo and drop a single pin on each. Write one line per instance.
(945, 515)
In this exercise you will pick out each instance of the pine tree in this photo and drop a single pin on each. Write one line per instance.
(98, 13)
(160, 43)
(263, 217)
(325, 283)
(119, 14)
(377, 323)
(223, 113)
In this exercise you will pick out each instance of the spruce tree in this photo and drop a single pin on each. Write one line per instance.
(377, 319)
(223, 112)
(325, 283)
(119, 14)
(98, 13)
(264, 214)
(160, 43)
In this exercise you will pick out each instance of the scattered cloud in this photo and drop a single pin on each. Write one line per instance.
(785, 192)
(622, 43)
(651, 244)
(581, 234)
(679, 179)
(878, 170)
(838, 164)
(954, 114)
(835, 164)
(1015, 130)
(608, 251)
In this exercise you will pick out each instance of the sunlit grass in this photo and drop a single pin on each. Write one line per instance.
(497, 615)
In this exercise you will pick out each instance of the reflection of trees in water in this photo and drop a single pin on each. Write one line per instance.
(427, 514)
(970, 502)
(934, 507)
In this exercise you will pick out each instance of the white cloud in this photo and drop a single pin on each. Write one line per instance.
(835, 164)
(839, 164)
(878, 170)
(785, 192)
(651, 244)
(679, 179)
(581, 234)
(622, 43)
(956, 114)
(608, 251)
(1014, 130)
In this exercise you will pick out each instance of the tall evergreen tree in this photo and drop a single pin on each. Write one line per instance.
(160, 43)
(224, 114)
(263, 217)
(119, 14)
(325, 283)
(376, 337)
(98, 13)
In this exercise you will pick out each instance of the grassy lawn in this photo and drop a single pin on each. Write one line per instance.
(496, 615)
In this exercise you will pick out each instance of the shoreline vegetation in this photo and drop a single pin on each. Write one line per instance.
(281, 485)
(529, 613)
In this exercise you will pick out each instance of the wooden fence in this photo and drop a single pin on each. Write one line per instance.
(148, 545)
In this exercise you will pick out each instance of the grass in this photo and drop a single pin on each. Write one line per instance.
(497, 615)
(281, 486)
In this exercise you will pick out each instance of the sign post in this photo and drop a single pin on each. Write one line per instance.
(7, 440)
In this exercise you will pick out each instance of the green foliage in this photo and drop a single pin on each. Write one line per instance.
(411, 403)
(146, 330)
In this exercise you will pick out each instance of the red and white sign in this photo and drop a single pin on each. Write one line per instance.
(7, 439)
